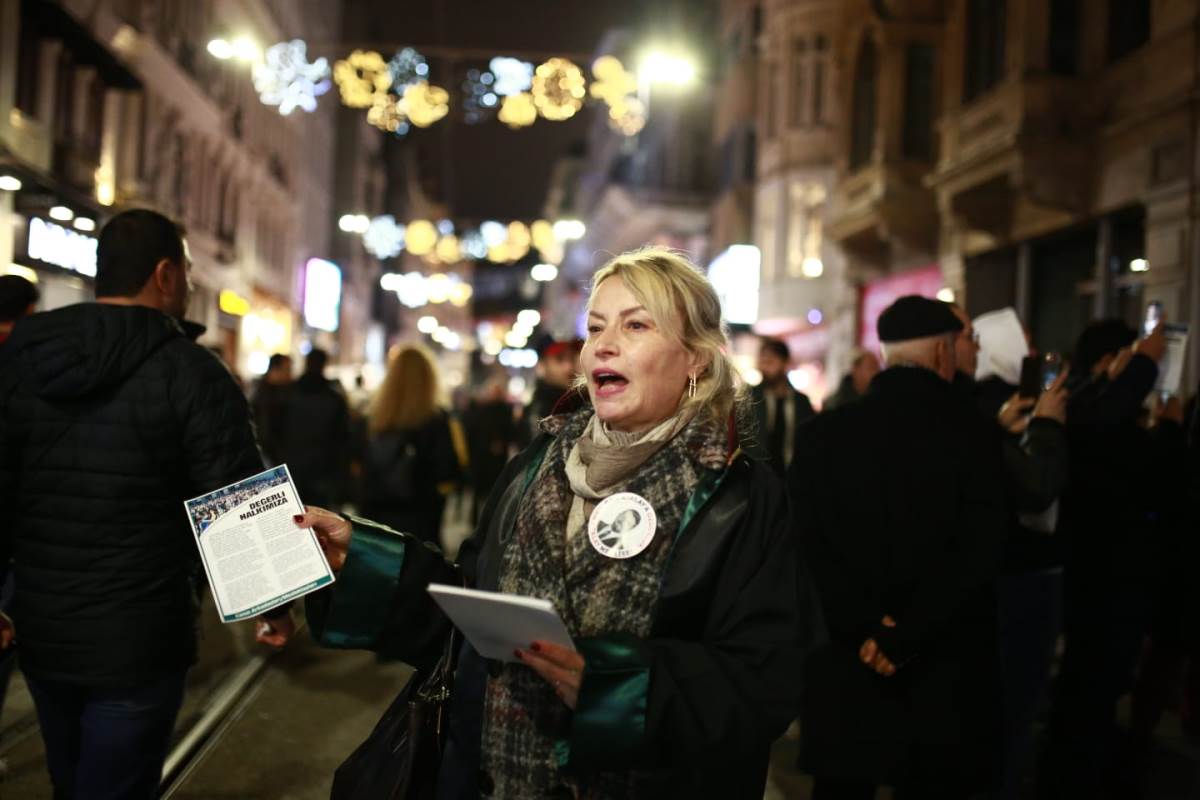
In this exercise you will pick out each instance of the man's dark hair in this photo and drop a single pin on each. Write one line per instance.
(778, 347)
(131, 245)
(1101, 339)
(314, 363)
(278, 360)
(16, 296)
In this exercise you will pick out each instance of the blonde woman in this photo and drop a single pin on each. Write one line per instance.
(411, 462)
(689, 626)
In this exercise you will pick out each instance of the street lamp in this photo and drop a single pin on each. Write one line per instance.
(668, 67)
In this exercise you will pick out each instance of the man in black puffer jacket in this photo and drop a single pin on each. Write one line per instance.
(110, 417)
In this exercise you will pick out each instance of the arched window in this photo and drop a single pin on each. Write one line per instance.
(987, 33)
(862, 130)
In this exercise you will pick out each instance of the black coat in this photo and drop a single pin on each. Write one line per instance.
(757, 445)
(490, 429)
(733, 617)
(316, 439)
(110, 417)
(898, 500)
(417, 506)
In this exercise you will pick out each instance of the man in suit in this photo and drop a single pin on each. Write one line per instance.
(779, 409)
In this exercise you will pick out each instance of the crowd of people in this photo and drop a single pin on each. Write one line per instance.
(949, 580)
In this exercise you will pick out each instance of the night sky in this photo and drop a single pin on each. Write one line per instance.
(494, 171)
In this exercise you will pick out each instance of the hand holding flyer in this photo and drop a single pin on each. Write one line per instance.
(253, 554)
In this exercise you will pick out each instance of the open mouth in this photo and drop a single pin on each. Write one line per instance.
(608, 381)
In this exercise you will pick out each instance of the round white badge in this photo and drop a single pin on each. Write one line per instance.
(622, 526)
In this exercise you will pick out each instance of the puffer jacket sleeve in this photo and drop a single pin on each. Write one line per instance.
(218, 434)
(657, 702)
(1036, 465)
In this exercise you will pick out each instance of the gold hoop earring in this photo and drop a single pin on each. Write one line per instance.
(692, 385)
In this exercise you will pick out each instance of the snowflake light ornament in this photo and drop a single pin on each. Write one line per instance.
(362, 78)
(518, 110)
(425, 104)
(513, 75)
(286, 79)
(558, 89)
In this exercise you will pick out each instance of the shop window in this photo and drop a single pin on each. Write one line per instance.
(1128, 27)
(1064, 37)
(918, 102)
(796, 99)
(818, 87)
(987, 31)
(862, 131)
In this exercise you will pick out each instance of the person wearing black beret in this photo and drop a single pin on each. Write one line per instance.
(900, 515)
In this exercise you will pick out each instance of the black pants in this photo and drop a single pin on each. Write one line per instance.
(107, 743)
(835, 789)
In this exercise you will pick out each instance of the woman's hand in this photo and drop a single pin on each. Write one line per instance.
(558, 666)
(333, 533)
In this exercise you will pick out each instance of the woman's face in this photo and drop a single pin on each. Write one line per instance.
(636, 372)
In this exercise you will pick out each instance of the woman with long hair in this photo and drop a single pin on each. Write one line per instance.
(411, 463)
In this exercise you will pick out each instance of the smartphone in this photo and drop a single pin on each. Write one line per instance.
(1154, 315)
(1031, 377)
(1051, 368)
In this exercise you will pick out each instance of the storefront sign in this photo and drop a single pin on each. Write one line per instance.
(878, 295)
(322, 294)
(62, 247)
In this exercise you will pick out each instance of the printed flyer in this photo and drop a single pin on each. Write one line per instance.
(255, 556)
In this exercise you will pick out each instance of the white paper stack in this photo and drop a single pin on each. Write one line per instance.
(496, 624)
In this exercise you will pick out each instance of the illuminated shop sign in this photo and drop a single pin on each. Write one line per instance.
(735, 277)
(322, 294)
(62, 247)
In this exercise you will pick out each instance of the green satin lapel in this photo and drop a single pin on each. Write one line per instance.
(353, 613)
(609, 724)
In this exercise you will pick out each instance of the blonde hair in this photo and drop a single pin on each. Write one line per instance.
(410, 392)
(684, 305)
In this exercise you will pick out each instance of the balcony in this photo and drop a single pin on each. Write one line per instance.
(1026, 150)
(882, 209)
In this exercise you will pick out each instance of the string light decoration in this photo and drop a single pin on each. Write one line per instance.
(546, 243)
(421, 237)
(387, 114)
(518, 110)
(513, 76)
(407, 66)
(558, 89)
(613, 83)
(628, 116)
(480, 100)
(447, 250)
(286, 79)
(425, 104)
(384, 237)
(363, 78)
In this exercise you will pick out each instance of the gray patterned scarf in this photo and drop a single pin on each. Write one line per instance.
(595, 595)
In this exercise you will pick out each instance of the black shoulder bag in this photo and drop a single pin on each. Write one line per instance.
(401, 758)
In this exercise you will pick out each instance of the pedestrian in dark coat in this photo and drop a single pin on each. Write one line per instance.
(779, 410)
(557, 367)
(688, 649)
(270, 407)
(490, 429)
(1113, 517)
(900, 510)
(110, 417)
(410, 464)
(315, 435)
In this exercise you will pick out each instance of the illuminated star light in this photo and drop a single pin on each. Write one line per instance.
(407, 66)
(363, 78)
(286, 78)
